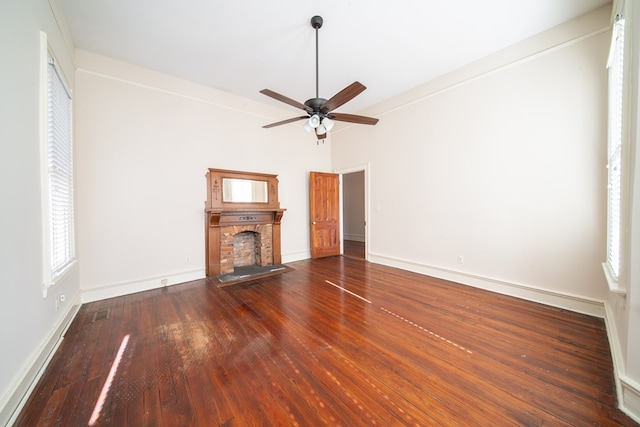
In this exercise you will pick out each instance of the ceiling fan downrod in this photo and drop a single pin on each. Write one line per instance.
(316, 23)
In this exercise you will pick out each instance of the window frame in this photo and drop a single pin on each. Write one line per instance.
(617, 152)
(55, 270)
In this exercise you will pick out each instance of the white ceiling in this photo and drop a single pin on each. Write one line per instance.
(244, 46)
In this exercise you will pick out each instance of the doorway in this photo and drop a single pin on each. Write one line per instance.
(354, 224)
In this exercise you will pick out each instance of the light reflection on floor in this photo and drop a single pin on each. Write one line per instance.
(107, 384)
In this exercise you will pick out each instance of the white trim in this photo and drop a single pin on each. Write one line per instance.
(50, 279)
(49, 285)
(436, 87)
(566, 301)
(366, 168)
(614, 347)
(630, 398)
(296, 256)
(611, 280)
(157, 88)
(126, 288)
(21, 388)
(44, 180)
(627, 390)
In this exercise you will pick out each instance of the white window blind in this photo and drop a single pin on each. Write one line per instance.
(60, 173)
(616, 102)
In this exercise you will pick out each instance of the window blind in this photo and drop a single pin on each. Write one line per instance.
(60, 172)
(616, 99)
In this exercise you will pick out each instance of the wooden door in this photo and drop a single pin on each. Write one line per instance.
(324, 194)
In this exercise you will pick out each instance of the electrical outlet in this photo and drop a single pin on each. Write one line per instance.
(187, 259)
(460, 259)
(164, 282)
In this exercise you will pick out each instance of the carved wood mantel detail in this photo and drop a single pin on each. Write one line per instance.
(246, 208)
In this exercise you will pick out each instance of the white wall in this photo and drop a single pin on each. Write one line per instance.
(501, 162)
(30, 325)
(145, 141)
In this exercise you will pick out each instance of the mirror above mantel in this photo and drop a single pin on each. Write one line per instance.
(237, 190)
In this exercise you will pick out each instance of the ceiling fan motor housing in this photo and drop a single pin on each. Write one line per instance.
(315, 104)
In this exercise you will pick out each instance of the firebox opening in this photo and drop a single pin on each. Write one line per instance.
(247, 249)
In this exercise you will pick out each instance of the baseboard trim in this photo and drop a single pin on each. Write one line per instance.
(627, 390)
(17, 394)
(555, 299)
(296, 256)
(126, 288)
(630, 398)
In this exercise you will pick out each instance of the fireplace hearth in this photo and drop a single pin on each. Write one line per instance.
(248, 273)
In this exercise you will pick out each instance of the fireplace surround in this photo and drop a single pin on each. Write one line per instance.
(239, 203)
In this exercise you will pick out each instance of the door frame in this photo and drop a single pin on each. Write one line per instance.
(359, 168)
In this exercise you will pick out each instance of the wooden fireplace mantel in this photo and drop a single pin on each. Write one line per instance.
(224, 216)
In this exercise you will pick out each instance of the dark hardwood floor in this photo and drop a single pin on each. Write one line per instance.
(336, 341)
(354, 249)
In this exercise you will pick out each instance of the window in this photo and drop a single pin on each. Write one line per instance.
(57, 182)
(615, 65)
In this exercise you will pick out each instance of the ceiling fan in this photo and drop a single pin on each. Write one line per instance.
(319, 111)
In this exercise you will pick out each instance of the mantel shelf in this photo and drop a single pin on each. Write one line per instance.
(227, 209)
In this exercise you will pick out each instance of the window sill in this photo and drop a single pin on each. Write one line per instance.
(614, 285)
(48, 286)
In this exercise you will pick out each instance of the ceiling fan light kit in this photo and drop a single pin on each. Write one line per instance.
(314, 121)
(328, 123)
(320, 115)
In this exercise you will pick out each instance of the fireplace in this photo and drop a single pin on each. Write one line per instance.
(242, 221)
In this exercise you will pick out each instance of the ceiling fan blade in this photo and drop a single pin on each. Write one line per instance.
(342, 97)
(284, 99)
(284, 122)
(353, 118)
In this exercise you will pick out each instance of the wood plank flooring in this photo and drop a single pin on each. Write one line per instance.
(354, 249)
(337, 341)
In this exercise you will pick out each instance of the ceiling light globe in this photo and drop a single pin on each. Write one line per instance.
(314, 121)
(328, 123)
